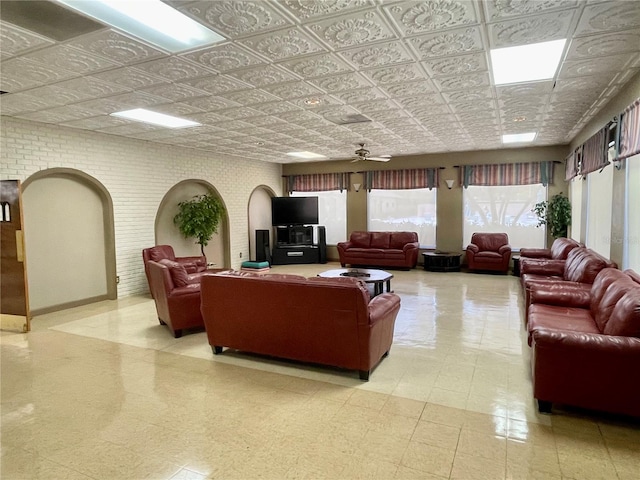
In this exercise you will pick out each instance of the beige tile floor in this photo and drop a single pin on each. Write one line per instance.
(104, 392)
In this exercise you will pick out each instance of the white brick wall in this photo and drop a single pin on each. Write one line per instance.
(137, 175)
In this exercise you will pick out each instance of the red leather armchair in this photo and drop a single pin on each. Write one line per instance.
(586, 347)
(177, 299)
(489, 252)
(193, 265)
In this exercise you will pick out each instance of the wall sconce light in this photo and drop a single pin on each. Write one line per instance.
(356, 187)
(449, 183)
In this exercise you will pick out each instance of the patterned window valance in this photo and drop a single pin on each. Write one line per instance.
(507, 174)
(572, 166)
(318, 182)
(594, 152)
(401, 179)
(629, 131)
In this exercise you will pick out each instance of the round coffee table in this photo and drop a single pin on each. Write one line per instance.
(368, 275)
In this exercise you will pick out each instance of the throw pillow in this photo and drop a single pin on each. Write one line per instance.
(178, 273)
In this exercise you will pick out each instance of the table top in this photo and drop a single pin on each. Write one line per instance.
(367, 275)
(441, 254)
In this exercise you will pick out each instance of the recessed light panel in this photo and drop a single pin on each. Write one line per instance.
(155, 118)
(307, 155)
(526, 63)
(519, 137)
(150, 20)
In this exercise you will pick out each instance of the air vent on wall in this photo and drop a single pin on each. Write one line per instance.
(346, 119)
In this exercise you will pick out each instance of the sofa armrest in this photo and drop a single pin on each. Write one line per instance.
(542, 266)
(473, 248)
(410, 246)
(562, 294)
(344, 245)
(382, 306)
(193, 264)
(505, 249)
(535, 253)
(190, 289)
(594, 343)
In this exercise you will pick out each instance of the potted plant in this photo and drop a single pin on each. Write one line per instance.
(555, 214)
(200, 217)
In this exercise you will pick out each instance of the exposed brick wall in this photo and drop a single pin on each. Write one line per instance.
(137, 175)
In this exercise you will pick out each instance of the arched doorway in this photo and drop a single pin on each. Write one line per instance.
(69, 239)
(166, 233)
(259, 213)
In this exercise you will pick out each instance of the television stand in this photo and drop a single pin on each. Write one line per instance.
(294, 244)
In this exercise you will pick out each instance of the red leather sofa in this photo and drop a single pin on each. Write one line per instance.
(380, 249)
(317, 320)
(489, 252)
(580, 268)
(586, 346)
(559, 250)
(193, 265)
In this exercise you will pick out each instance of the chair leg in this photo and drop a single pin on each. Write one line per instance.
(161, 322)
(177, 334)
(216, 350)
(364, 375)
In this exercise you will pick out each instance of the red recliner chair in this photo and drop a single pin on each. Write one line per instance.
(193, 265)
(489, 252)
(177, 298)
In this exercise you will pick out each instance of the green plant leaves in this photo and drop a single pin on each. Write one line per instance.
(555, 214)
(199, 217)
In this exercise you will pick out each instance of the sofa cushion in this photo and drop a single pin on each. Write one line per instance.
(160, 252)
(360, 239)
(561, 248)
(560, 318)
(178, 273)
(583, 265)
(400, 239)
(625, 317)
(380, 239)
(608, 287)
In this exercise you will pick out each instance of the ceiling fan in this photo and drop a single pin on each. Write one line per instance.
(363, 154)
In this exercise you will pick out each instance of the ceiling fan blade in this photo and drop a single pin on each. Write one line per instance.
(379, 159)
(355, 160)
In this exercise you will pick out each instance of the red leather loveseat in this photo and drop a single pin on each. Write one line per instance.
(586, 346)
(580, 268)
(380, 249)
(325, 321)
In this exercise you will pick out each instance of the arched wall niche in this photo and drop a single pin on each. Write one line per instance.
(69, 240)
(218, 251)
(259, 215)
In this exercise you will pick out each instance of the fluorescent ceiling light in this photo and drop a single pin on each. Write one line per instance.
(155, 118)
(519, 137)
(307, 155)
(149, 20)
(526, 63)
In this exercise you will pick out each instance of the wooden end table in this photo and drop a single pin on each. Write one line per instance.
(441, 261)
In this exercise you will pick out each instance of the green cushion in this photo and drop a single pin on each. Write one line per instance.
(255, 264)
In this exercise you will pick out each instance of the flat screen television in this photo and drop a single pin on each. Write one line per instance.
(294, 211)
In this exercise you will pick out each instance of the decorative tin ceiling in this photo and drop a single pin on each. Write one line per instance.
(419, 70)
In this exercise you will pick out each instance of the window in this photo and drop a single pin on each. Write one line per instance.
(404, 210)
(505, 209)
(575, 197)
(600, 194)
(332, 213)
(632, 221)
